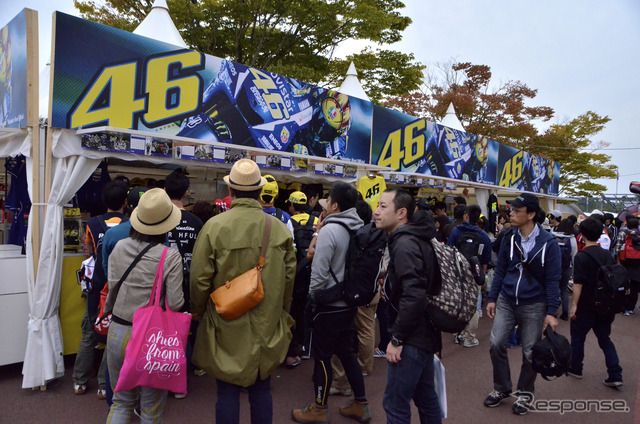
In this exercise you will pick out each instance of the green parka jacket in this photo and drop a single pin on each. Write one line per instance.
(255, 344)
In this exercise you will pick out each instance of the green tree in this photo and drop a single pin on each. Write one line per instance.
(296, 39)
(572, 145)
(502, 114)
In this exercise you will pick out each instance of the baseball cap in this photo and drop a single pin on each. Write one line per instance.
(298, 198)
(134, 194)
(269, 190)
(527, 200)
(556, 214)
(597, 212)
(423, 205)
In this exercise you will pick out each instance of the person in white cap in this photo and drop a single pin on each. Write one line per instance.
(243, 352)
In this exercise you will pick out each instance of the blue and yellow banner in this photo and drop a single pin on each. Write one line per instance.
(133, 82)
(13, 72)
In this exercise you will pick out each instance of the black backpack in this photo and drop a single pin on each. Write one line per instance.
(564, 242)
(302, 235)
(360, 284)
(613, 286)
(551, 356)
(469, 244)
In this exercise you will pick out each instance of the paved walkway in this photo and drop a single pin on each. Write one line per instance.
(468, 382)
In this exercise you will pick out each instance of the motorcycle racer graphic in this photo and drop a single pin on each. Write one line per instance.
(251, 107)
(454, 154)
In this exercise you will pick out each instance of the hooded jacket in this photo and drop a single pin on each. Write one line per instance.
(332, 245)
(411, 276)
(544, 265)
(255, 344)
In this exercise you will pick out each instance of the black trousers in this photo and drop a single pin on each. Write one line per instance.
(334, 332)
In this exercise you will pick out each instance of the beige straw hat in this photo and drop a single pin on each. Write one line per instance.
(155, 214)
(245, 176)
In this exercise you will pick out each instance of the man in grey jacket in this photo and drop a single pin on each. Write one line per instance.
(333, 329)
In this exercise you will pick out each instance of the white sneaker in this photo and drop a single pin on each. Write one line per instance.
(471, 343)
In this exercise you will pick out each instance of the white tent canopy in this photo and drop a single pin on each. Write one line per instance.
(451, 119)
(351, 84)
(159, 25)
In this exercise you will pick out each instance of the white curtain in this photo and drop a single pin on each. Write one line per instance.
(482, 195)
(43, 359)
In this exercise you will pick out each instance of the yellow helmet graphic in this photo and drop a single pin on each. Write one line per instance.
(336, 110)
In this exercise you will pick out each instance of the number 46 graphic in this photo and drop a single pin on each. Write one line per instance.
(167, 89)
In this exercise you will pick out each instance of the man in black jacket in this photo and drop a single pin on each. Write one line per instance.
(410, 372)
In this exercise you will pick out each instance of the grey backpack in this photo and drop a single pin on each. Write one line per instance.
(453, 306)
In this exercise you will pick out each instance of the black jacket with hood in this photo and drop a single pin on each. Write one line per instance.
(411, 276)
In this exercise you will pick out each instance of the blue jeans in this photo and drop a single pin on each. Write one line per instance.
(411, 378)
(228, 405)
(530, 320)
(601, 327)
(152, 401)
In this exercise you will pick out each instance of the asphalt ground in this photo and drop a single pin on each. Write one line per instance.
(468, 374)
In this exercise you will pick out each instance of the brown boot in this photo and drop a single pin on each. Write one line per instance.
(311, 414)
(359, 411)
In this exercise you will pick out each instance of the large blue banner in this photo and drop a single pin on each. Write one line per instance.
(13, 72)
(134, 82)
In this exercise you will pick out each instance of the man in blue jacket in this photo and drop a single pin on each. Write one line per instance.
(525, 291)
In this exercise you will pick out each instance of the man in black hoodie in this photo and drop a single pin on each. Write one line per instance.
(411, 276)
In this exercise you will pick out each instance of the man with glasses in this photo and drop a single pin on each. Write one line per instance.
(525, 291)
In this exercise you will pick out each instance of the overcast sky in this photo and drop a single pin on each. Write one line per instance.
(579, 54)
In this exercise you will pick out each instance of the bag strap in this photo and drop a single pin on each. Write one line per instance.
(265, 243)
(126, 273)
(154, 299)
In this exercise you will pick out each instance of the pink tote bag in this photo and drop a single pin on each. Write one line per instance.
(155, 356)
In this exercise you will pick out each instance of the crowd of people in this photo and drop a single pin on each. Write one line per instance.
(528, 264)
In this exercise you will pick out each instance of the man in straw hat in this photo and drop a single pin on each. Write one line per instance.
(243, 352)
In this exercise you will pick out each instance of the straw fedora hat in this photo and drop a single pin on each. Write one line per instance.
(155, 214)
(245, 176)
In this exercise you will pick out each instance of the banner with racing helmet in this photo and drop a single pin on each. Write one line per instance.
(410, 144)
(134, 82)
(13, 72)
(527, 172)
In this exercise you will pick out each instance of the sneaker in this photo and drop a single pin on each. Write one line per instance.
(80, 389)
(471, 343)
(377, 353)
(179, 395)
(632, 311)
(612, 382)
(626, 313)
(495, 398)
(305, 355)
(457, 339)
(576, 374)
(199, 372)
(521, 406)
(102, 394)
(311, 414)
(365, 373)
(292, 361)
(358, 411)
(334, 391)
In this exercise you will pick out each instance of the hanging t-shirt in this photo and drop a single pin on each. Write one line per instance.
(371, 188)
(18, 200)
(89, 197)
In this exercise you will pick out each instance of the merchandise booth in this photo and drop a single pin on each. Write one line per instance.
(147, 107)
